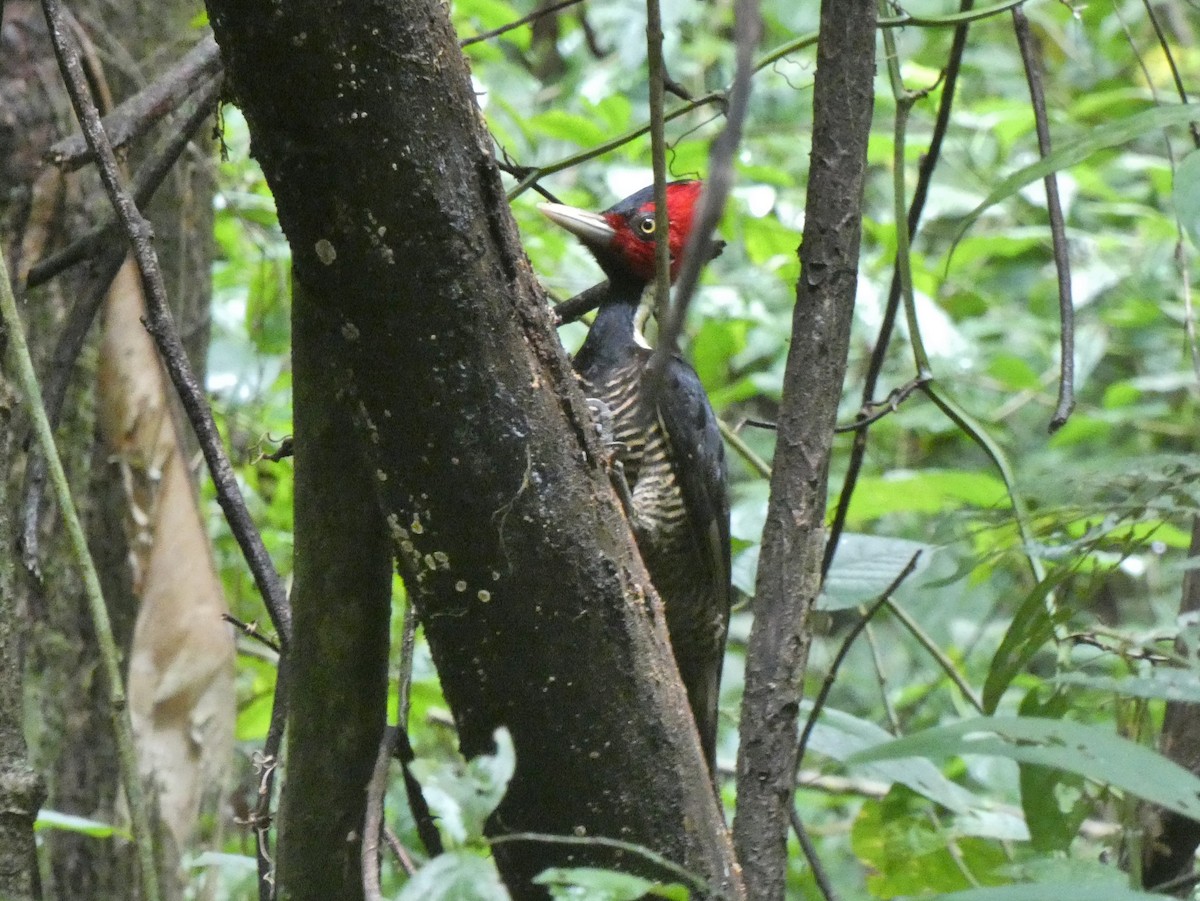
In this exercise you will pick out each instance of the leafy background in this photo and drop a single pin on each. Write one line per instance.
(1108, 498)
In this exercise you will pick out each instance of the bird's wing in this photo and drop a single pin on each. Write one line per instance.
(700, 470)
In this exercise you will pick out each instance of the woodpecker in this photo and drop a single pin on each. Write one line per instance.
(668, 448)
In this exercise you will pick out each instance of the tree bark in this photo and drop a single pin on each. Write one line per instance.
(1170, 842)
(794, 534)
(339, 655)
(494, 492)
(22, 790)
(71, 740)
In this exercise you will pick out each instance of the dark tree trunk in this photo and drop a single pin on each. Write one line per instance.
(789, 571)
(1170, 845)
(22, 790)
(495, 499)
(339, 655)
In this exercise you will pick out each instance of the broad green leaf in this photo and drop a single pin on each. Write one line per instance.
(1110, 134)
(929, 491)
(571, 127)
(864, 567)
(1090, 751)
(456, 876)
(841, 736)
(1186, 194)
(69, 822)
(1029, 631)
(1166, 684)
(242, 863)
(462, 796)
(907, 853)
(1045, 891)
(595, 884)
(1055, 801)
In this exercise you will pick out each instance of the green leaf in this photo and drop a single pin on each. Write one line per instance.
(907, 853)
(1090, 751)
(1110, 134)
(1029, 631)
(864, 567)
(842, 736)
(571, 127)
(1165, 684)
(930, 491)
(1042, 891)
(456, 876)
(595, 884)
(463, 795)
(1055, 802)
(1186, 194)
(68, 822)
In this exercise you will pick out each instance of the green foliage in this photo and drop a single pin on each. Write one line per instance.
(463, 793)
(592, 884)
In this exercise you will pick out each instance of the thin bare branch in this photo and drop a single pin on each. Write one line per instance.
(143, 187)
(824, 883)
(136, 115)
(373, 820)
(747, 33)
(1031, 57)
(818, 703)
(524, 20)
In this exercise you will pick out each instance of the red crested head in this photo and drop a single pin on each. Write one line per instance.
(622, 237)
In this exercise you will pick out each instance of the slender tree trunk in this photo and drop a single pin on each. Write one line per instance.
(482, 455)
(1169, 849)
(22, 790)
(339, 656)
(794, 533)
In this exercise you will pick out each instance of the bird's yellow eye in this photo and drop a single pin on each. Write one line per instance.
(647, 226)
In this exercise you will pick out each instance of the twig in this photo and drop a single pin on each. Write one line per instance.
(161, 326)
(524, 20)
(133, 117)
(658, 159)
(250, 630)
(693, 879)
(929, 161)
(810, 854)
(936, 653)
(747, 33)
(145, 183)
(1166, 49)
(373, 819)
(1030, 56)
(268, 762)
(408, 641)
(399, 851)
(581, 304)
(757, 463)
(508, 167)
(139, 808)
(818, 703)
(873, 411)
